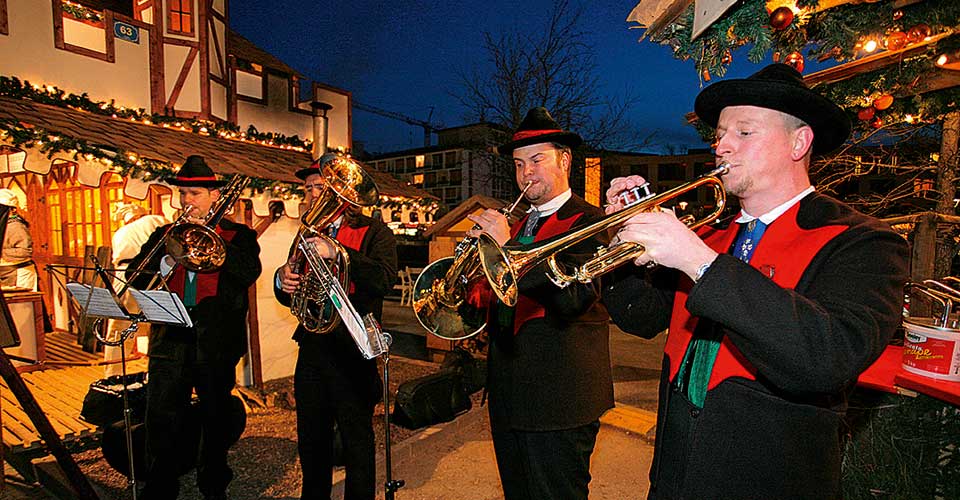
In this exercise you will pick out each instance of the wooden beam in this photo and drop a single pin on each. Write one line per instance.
(872, 62)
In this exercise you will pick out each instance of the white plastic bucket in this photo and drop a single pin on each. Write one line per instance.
(931, 351)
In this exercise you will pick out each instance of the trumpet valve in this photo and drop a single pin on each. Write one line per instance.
(634, 195)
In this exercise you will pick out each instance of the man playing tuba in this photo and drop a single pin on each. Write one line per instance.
(333, 383)
(203, 357)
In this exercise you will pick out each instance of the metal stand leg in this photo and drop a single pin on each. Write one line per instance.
(127, 411)
(391, 485)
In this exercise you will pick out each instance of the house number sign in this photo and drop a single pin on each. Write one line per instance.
(126, 31)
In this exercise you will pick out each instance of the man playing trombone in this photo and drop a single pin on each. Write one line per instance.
(333, 383)
(549, 374)
(205, 356)
(771, 319)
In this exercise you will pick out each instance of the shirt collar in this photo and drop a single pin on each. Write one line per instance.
(772, 215)
(553, 205)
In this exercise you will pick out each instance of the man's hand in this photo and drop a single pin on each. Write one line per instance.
(325, 249)
(289, 280)
(493, 223)
(618, 186)
(668, 242)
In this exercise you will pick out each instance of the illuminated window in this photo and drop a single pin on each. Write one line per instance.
(180, 17)
(420, 161)
(418, 179)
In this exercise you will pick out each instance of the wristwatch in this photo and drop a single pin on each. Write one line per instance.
(701, 271)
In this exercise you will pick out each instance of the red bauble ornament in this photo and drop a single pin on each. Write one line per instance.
(780, 18)
(895, 41)
(866, 114)
(727, 57)
(883, 102)
(877, 122)
(918, 33)
(794, 60)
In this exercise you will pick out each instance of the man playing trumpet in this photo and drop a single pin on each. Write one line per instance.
(771, 319)
(203, 357)
(549, 362)
(333, 383)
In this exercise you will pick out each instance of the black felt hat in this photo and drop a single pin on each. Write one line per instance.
(778, 87)
(314, 168)
(539, 127)
(196, 173)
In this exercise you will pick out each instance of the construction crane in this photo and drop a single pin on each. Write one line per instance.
(428, 128)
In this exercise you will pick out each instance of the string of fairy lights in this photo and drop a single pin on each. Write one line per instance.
(130, 163)
(921, 37)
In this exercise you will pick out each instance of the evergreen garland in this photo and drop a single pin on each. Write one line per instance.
(54, 96)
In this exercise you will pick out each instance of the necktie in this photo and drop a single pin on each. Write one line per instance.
(531, 224)
(190, 289)
(703, 352)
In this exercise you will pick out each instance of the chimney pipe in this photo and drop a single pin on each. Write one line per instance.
(320, 127)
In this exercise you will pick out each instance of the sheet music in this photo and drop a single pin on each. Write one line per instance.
(98, 302)
(161, 306)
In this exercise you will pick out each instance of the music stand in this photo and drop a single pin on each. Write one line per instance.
(381, 341)
(155, 306)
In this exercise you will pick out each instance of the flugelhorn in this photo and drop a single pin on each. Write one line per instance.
(441, 294)
(503, 267)
(345, 184)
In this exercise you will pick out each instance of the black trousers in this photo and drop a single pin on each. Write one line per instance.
(327, 392)
(175, 369)
(547, 465)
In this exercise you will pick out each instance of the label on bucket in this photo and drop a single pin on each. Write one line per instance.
(931, 352)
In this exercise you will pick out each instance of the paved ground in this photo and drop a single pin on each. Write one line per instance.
(455, 460)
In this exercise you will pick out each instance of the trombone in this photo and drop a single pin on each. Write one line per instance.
(503, 267)
(196, 247)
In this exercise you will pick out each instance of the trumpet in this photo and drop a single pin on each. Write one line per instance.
(440, 295)
(503, 267)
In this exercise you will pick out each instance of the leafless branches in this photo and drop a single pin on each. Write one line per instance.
(556, 68)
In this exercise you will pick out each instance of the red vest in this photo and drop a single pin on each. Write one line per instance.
(783, 254)
(528, 308)
(352, 238)
(206, 282)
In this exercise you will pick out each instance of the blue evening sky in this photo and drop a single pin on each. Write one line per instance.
(403, 56)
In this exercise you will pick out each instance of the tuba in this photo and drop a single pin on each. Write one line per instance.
(346, 184)
(441, 294)
(503, 267)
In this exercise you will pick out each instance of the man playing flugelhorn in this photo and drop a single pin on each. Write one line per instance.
(332, 380)
(549, 362)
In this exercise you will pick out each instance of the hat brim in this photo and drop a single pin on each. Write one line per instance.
(206, 184)
(303, 173)
(566, 138)
(830, 124)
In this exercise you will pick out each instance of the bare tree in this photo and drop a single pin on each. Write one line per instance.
(555, 68)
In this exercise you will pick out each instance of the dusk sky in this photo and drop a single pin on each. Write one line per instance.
(403, 56)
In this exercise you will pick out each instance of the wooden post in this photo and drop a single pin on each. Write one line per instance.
(924, 247)
(946, 186)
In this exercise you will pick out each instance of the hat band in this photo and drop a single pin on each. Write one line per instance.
(195, 179)
(525, 134)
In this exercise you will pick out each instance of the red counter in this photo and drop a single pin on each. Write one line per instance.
(888, 375)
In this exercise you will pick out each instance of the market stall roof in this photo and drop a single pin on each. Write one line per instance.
(170, 145)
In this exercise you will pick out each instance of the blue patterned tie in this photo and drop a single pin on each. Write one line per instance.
(750, 234)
